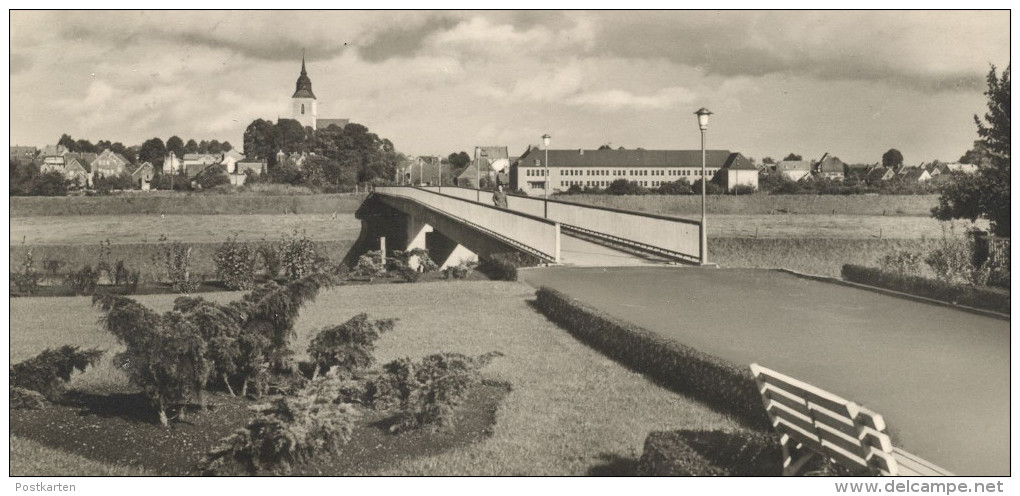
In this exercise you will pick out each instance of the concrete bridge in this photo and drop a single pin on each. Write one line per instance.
(456, 224)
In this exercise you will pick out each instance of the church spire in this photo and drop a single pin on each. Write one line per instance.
(304, 83)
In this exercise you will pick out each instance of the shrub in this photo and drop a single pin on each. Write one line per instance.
(460, 271)
(26, 399)
(503, 266)
(83, 281)
(902, 262)
(427, 391)
(174, 263)
(715, 381)
(950, 260)
(411, 264)
(297, 255)
(52, 266)
(741, 453)
(48, 371)
(370, 265)
(270, 260)
(678, 187)
(287, 431)
(347, 347)
(26, 281)
(235, 264)
(173, 356)
(961, 294)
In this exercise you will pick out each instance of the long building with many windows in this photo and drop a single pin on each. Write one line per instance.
(648, 168)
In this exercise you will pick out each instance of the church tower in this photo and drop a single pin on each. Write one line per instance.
(303, 100)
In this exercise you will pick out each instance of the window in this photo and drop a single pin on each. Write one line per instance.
(302, 109)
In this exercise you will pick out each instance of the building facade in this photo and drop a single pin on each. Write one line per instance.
(648, 168)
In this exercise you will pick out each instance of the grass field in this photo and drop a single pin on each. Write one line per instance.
(812, 256)
(571, 411)
(760, 203)
(185, 228)
(156, 203)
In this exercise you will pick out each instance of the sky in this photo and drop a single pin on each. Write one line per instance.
(851, 84)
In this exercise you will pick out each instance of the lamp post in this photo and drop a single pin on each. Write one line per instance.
(703, 114)
(545, 144)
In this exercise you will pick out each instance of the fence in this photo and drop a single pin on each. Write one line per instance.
(534, 234)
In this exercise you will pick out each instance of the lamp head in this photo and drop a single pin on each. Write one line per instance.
(703, 114)
(545, 140)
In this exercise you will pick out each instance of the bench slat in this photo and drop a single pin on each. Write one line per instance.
(810, 440)
(810, 393)
(778, 410)
(884, 462)
(847, 443)
(796, 403)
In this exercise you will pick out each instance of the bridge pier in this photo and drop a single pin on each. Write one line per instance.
(417, 231)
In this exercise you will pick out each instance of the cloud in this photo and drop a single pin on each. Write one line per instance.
(924, 50)
(611, 100)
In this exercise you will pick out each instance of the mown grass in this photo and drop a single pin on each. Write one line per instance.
(185, 228)
(760, 203)
(135, 203)
(821, 256)
(571, 410)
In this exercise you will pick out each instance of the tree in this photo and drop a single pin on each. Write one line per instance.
(67, 142)
(85, 146)
(768, 161)
(892, 158)
(152, 151)
(175, 144)
(259, 141)
(226, 146)
(977, 155)
(459, 160)
(606, 146)
(191, 146)
(794, 157)
(985, 194)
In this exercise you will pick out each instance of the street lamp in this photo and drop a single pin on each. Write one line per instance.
(703, 114)
(545, 143)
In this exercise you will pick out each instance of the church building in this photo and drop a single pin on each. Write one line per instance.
(304, 107)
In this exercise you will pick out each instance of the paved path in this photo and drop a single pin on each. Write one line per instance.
(581, 253)
(940, 376)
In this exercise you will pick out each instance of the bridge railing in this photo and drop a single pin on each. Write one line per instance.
(679, 238)
(535, 234)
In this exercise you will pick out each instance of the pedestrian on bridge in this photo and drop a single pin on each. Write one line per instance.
(499, 197)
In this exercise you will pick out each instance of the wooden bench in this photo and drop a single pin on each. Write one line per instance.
(813, 422)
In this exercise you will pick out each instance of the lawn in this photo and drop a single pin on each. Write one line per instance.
(761, 203)
(280, 200)
(570, 411)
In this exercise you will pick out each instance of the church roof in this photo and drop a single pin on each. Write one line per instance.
(324, 123)
(304, 84)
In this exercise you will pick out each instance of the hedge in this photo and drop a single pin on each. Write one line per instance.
(742, 453)
(978, 297)
(721, 384)
(503, 266)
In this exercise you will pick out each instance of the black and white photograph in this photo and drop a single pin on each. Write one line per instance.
(513, 243)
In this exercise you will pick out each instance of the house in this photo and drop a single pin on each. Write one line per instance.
(23, 155)
(794, 170)
(914, 175)
(54, 150)
(230, 159)
(963, 168)
(51, 163)
(142, 176)
(489, 162)
(199, 160)
(78, 171)
(172, 164)
(109, 164)
(829, 167)
(648, 168)
(249, 166)
(739, 171)
(879, 174)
